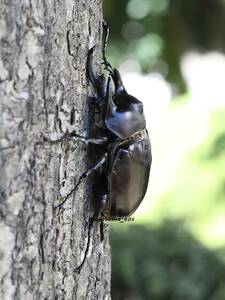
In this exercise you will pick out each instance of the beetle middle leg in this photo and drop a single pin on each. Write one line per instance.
(84, 176)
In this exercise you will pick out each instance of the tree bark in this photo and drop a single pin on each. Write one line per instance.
(44, 92)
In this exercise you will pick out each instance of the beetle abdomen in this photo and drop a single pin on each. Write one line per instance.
(128, 179)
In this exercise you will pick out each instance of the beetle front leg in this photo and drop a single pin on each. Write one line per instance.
(79, 138)
(96, 141)
(107, 65)
(94, 101)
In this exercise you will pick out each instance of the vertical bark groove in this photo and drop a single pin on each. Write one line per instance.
(43, 92)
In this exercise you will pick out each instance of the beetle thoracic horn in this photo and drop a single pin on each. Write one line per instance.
(119, 87)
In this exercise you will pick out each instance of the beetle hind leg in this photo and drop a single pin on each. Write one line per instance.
(99, 208)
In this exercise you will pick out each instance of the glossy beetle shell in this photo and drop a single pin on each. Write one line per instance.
(128, 178)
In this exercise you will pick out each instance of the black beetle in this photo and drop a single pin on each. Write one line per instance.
(123, 170)
(125, 165)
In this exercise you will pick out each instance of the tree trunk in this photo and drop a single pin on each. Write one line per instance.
(44, 92)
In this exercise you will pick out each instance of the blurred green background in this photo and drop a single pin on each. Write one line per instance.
(171, 56)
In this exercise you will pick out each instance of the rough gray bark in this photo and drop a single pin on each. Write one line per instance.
(44, 92)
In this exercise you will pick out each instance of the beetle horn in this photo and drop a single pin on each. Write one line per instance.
(97, 81)
(119, 87)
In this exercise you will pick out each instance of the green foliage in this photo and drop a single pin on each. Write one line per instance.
(163, 263)
(197, 193)
(180, 25)
(216, 148)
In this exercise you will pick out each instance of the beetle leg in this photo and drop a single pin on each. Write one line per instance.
(94, 101)
(98, 210)
(106, 37)
(113, 72)
(101, 196)
(84, 176)
(86, 140)
(96, 141)
(97, 105)
(101, 206)
(107, 65)
(78, 138)
(90, 225)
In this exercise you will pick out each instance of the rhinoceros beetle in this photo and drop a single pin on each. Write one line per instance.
(123, 170)
(125, 164)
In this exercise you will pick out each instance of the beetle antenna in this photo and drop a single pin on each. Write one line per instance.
(105, 39)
